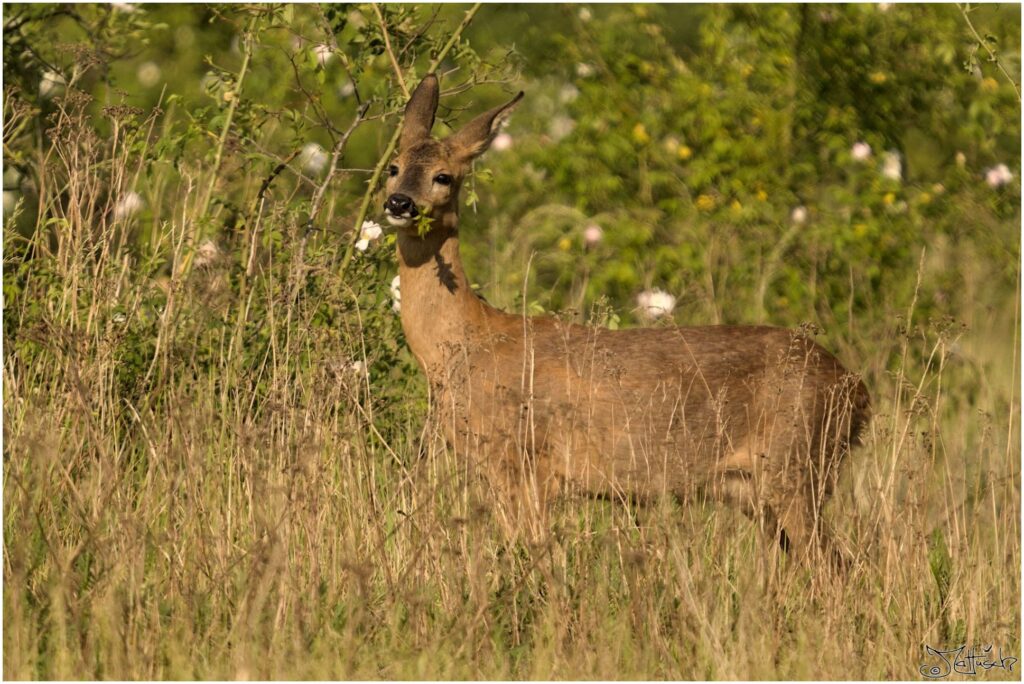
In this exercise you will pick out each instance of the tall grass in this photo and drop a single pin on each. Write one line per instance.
(201, 482)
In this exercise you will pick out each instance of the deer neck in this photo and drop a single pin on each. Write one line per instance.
(439, 310)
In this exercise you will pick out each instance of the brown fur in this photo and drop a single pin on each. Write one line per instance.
(756, 416)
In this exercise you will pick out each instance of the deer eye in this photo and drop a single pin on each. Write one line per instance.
(443, 179)
(392, 170)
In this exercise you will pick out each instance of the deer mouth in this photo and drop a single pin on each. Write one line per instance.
(400, 221)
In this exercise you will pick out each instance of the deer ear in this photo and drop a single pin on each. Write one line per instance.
(419, 112)
(474, 138)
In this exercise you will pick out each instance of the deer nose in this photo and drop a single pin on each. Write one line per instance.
(400, 205)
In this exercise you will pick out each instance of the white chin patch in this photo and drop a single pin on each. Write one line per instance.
(399, 221)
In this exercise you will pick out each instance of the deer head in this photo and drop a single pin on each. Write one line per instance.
(425, 177)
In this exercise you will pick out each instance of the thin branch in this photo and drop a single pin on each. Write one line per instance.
(964, 9)
(429, 24)
(281, 166)
(339, 149)
(314, 100)
(391, 53)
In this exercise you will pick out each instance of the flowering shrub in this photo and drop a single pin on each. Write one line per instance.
(743, 168)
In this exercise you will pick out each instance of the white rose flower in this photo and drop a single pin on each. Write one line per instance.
(148, 74)
(892, 168)
(568, 93)
(592, 235)
(860, 151)
(324, 53)
(655, 304)
(501, 142)
(998, 176)
(51, 84)
(128, 205)
(560, 126)
(396, 293)
(313, 158)
(798, 216)
(368, 232)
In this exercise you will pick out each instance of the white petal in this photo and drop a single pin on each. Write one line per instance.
(370, 230)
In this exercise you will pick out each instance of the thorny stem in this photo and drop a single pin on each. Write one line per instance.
(391, 53)
(964, 9)
(393, 143)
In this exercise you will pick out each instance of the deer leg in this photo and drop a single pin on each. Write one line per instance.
(522, 488)
(800, 529)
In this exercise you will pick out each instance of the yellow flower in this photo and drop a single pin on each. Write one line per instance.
(989, 84)
(564, 244)
(762, 195)
(705, 202)
(684, 152)
(640, 134)
(860, 229)
(924, 198)
(736, 206)
(878, 77)
(889, 198)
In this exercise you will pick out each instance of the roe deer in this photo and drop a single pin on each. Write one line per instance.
(756, 416)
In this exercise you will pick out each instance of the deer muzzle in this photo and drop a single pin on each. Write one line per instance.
(399, 209)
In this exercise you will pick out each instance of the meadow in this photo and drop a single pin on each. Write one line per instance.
(218, 457)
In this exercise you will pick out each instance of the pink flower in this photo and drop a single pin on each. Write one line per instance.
(501, 142)
(592, 235)
(998, 176)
